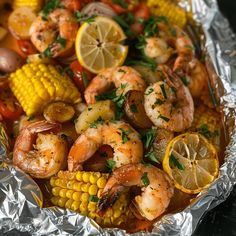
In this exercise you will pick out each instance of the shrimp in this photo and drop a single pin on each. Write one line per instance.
(169, 104)
(56, 34)
(124, 140)
(198, 78)
(158, 49)
(176, 38)
(156, 189)
(124, 78)
(47, 156)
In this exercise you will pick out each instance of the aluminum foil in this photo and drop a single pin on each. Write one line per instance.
(21, 199)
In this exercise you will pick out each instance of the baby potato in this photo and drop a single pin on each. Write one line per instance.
(134, 109)
(101, 109)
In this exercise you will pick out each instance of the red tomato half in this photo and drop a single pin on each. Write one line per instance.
(116, 7)
(26, 48)
(9, 106)
(81, 76)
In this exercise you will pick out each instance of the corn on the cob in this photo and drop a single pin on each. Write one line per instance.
(208, 122)
(35, 85)
(166, 8)
(36, 5)
(80, 191)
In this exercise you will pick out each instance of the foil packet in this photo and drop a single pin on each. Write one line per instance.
(21, 199)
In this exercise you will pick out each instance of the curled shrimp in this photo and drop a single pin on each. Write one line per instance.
(56, 34)
(124, 140)
(156, 189)
(198, 78)
(169, 104)
(124, 78)
(46, 156)
(158, 49)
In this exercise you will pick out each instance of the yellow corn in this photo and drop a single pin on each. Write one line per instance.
(207, 121)
(83, 199)
(175, 14)
(36, 5)
(35, 85)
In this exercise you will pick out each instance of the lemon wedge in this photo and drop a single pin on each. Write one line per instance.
(192, 162)
(99, 44)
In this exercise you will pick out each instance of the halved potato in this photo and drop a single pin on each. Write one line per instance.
(134, 109)
(101, 109)
(58, 112)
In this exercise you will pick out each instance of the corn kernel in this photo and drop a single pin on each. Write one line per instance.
(109, 213)
(101, 182)
(76, 196)
(72, 184)
(69, 193)
(106, 221)
(55, 191)
(85, 177)
(85, 187)
(94, 177)
(77, 186)
(54, 201)
(93, 189)
(92, 206)
(69, 203)
(75, 206)
(117, 213)
(84, 197)
(62, 192)
(79, 176)
(92, 215)
(99, 194)
(83, 206)
(52, 181)
(62, 202)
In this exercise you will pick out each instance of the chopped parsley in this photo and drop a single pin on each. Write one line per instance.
(122, 71)
(166, 119)
(133, 108)
(172, 32)
(158, 102)
(84, 18)
(90, 108)
(145, 179)
(98, 121)
(93, 198)
(176, 163)
(141, 42)
(149, 91)
(110, 165)
(203, 130)
(184, 80)
(152, 156)
(162, 86)
(149, 137)
(103, 154)
(61, 41)
(50, 6)
(189, 47)
(124, 135)
(122, 3)
(125, 20)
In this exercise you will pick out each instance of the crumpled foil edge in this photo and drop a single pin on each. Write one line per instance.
(20, 197)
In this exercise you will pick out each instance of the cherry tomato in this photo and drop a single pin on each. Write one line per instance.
(81, 76)
(9, 106)
(141, 12)
(26, 48)
(72, 5)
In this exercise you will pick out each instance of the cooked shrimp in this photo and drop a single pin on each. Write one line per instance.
(124, 78)
(169, 104)
(124, 140)
(157, 189)
(158, 49)
(198, 78)
(46, 157)
(57, 33)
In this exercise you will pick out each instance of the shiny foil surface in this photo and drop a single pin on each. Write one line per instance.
(21, 198)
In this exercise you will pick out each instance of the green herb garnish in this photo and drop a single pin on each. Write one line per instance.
(162, 86)
(149, 137)
(176, 163)
(166, 119)
(158, 102)
(50, 6)
(110, 164)
(184, 80)
(145, 179)
(122, 3)
(124, 135)
(133, 108)
(85, 79)
(93, 198)
(203, 130)
(97, 122)
(84, 18)
(172, 32)
(152, 156)
(149, 91)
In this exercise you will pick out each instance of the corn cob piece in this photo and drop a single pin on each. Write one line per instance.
(36, 5)
(207, 122)
(166, 8)
(35, 85)
(80, 191)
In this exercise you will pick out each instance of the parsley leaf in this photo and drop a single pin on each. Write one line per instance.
(110, 165)
(149, 138)
(172, 32)
(203, 130)
(145, 179)
(166, 119)
(84, 18)
(50, 6)
(162, 86)
(149, 91)
(122, 3)
(152, 156)
(93, 198)
(124, 135)
(98, 121)
(158, 102)
(85, 79)
(176, 163)
(184, 80)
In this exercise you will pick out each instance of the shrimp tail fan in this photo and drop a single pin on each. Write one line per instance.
(108, 199)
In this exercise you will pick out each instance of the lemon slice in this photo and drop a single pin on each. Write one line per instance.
(99, 44)
(192, 162)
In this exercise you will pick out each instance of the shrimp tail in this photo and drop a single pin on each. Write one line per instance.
(108, 199)
(43, 126)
